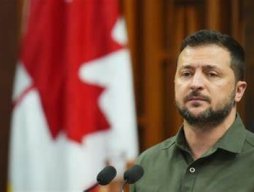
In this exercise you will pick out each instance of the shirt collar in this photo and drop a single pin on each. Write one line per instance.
(231, 141)
(234, 138)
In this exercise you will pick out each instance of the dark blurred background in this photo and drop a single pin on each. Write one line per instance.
(156, 29)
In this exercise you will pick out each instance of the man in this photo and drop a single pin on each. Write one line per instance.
(212, 152)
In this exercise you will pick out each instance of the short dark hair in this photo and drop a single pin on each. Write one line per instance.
(205, 37)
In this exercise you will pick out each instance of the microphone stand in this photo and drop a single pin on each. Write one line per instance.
(91, 188)
(123, 185)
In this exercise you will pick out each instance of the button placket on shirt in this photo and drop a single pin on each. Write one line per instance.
(189, 179)
(192, 170)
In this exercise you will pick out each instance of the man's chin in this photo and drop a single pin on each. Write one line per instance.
(197, 113)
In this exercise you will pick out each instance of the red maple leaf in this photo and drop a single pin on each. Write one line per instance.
(60, 37)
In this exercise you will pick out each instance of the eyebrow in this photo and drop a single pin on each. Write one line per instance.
(207, 67)
(210, 67)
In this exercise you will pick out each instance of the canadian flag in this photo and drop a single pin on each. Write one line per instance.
(73, 97)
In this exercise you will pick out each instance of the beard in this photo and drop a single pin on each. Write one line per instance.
(210, 117)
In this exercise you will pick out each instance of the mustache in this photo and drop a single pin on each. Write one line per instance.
(196, 95)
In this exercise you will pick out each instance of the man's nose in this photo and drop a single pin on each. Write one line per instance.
(197, 81)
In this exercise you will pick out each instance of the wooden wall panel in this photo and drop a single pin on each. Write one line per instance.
(249, 46)
(133, 12)
(8, 49)
(153, 89)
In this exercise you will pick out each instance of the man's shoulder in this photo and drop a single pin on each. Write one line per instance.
(156, 150)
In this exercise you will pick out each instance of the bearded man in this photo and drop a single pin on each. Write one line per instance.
(212, 151)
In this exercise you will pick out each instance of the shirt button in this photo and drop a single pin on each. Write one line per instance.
(192, 170)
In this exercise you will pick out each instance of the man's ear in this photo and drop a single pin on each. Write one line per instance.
(240, 89)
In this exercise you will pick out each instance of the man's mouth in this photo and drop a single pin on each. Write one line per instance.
(197, 98)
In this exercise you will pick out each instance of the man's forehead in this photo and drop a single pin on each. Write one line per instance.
(206, 55)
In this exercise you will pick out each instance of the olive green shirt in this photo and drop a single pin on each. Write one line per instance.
(226, 167)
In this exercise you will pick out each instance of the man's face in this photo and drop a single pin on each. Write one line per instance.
(205, 85)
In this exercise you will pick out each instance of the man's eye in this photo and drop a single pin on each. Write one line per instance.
(212, 74)
(186, 74)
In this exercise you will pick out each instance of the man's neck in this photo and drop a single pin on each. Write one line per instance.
(200, 140)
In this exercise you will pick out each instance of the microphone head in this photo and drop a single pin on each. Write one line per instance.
(133, 174)
(106, 175)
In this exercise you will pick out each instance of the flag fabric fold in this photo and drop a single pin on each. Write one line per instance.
(73, 96)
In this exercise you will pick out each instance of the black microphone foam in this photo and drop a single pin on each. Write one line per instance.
(106, 175)
(133, 174)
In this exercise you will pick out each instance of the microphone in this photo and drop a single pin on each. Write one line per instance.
(104, 177)
(132, 175)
